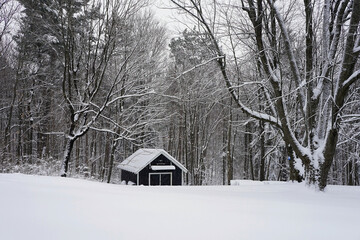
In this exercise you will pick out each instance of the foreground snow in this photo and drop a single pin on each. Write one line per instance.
(35, 207)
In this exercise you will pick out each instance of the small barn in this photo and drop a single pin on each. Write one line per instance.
(152, 167)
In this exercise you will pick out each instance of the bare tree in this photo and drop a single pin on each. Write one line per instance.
(313, 135)
(86, 86)
(132, 119)
(9, 9)
(194, 108)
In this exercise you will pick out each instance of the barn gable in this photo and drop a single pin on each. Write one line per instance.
(143, 157)
(152, 167)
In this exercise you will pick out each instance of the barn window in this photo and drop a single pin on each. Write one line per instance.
(160, 179)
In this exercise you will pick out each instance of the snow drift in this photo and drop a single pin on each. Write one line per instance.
(38, 207)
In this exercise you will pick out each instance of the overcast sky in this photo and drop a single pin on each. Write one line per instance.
(170, 17)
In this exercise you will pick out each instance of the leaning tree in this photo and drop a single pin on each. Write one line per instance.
(307, 59)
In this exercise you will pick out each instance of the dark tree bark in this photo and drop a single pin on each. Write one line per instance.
(262, 151)
(112, 157)
(229, 158)
(67, 155)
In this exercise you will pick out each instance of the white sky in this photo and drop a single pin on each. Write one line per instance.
(168, 16)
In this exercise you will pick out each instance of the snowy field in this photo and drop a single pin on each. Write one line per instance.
(37, 207)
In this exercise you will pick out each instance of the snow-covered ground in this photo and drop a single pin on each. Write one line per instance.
(38, 207)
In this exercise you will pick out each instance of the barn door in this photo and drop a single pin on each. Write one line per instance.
(154, 179)
(160, 179)
(165, 179)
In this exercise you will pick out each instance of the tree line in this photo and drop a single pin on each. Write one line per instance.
(261, 90)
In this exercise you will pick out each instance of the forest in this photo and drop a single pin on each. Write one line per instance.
(254, 89)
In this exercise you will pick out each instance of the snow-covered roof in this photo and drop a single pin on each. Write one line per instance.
(143, 157)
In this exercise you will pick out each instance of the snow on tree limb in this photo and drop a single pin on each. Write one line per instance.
(354, 77)
(199, 65)
(290, 54)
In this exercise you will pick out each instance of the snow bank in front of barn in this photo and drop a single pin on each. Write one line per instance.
(38, 207)
(251, 182)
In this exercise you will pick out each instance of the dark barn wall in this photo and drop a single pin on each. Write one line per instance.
(161, 160)
(128, 176)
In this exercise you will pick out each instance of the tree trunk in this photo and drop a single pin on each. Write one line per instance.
(106, 157)
(356, 173)
(246, 152)
(67, 155)
(262, 152)
(294, 173)
(250, 153)
(224, 154)
(112, 157)
(7, 132)
(77, 157)
(230, 167)
(329, 153)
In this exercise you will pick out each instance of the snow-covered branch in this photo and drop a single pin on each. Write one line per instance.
(130, 96)
(198, 66)
(351, 79)
(289, 52)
